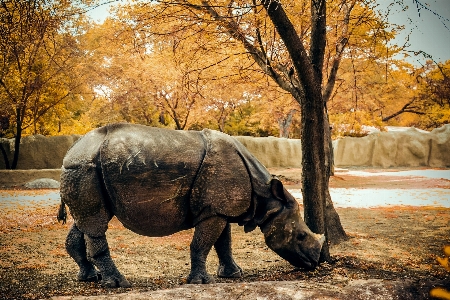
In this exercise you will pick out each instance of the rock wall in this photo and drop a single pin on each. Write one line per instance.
(410, 148)
(274, 152)
(38, 151)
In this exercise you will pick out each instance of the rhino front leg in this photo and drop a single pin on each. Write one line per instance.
(205, 236)
(227, 266)
(76, 247)
(98, 253)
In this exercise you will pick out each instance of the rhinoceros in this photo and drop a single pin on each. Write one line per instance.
(160, 181)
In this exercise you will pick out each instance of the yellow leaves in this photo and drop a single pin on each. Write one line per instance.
(32, 265)
(447, 251)
(58, 252)
(40, 74)
(28, 215)
(438, 292)
(445, 261)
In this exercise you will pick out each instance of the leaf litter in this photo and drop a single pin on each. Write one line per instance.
(389, 243)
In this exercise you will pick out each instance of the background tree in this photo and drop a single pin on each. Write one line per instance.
(399, 95)
(38, 62)
(434, 93)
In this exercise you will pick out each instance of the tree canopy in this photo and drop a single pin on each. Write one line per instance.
(174, 67)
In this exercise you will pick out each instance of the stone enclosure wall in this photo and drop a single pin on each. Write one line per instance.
(38, 151)
(410, 148)
(274, 152)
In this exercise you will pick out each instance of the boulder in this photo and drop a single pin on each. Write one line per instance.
(409, 148)
(11, 178)
(353, 151)
(43, 183)
(440, 145)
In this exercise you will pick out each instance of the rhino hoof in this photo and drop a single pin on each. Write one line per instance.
(234, 272)
(115, 283)
(201, 279)
(92, 276)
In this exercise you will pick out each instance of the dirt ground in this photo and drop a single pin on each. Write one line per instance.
(396, 245)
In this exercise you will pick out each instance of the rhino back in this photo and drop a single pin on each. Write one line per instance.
(85, 150)
(148, 173)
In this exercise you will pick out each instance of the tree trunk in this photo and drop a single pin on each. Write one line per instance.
(5, 156)
(17, 139)
(336, 232)
(285, 124)
(16, 151)
(314, 181)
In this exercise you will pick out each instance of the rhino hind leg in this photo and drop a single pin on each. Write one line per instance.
(227, 266)
(76, 247)
(98, 253)
(82, 190)
(206, 234)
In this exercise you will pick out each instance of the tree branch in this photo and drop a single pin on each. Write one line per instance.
(318, 36)
(406, 108)
(340, 47)
(300, 59)
(259, 57)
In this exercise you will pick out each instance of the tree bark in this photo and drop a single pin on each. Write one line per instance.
(5, 156)
(17, 139)
(336, 232)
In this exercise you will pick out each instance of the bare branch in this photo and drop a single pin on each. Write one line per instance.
(340, 47)
(405, 109)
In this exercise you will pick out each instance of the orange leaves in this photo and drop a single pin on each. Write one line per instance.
(445, 262)
(439, 292)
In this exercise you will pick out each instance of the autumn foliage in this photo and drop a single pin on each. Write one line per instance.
(69, 74)
(439, 292)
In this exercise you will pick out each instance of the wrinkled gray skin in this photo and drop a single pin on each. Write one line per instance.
(158, 182)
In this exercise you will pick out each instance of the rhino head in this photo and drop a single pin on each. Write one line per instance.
(286, 233)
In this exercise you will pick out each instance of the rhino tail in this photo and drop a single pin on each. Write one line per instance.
(62, 213)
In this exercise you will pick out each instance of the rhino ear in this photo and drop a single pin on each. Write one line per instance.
(277, 189)
(280, 193)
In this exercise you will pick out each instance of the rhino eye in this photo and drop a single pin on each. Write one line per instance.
(301, 236)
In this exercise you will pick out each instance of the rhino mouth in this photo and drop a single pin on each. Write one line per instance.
(300, 258)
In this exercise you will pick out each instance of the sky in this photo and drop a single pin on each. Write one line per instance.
(428, 29)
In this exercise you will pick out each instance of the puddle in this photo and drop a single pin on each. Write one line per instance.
(365, 198)
(10, 198)
(342, 197)
(444, 174)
